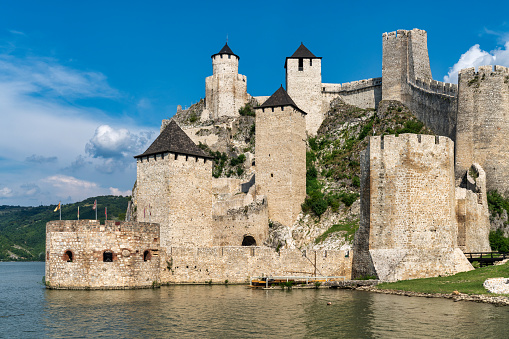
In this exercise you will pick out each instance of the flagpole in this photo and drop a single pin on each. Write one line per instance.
(78, 213)
(60, 210)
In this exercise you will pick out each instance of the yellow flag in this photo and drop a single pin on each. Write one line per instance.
(57, 208)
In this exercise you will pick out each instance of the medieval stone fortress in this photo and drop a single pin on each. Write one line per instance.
(423, 198)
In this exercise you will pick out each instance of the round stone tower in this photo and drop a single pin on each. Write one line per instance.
(226, 89)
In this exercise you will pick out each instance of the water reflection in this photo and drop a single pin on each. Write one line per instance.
(27, 310)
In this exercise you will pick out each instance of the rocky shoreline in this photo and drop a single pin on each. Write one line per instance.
(455, 296)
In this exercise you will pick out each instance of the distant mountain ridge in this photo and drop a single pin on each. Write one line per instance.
(23, 229)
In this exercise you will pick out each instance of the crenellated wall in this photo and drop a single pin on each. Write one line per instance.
(407, 228)
(406, 77)
(239, 264)
(483, 124)
(87, 240)
(363, 93)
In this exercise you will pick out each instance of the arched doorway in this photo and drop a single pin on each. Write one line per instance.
(248, 241)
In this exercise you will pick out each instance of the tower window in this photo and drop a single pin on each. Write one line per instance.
(301, 64)
(107, 256)
(229, 56)
(147, 255)
(310, 62)
(68, 256)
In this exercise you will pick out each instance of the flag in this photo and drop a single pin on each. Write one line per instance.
(95, 205)
(57, 208)
(106, 212)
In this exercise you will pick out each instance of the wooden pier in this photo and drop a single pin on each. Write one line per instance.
(486, 258)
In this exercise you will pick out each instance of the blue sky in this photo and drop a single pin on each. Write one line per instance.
(84, 85)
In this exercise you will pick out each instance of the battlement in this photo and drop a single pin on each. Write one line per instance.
(484, 71)
(403, 33)
(87, 225)
(351, 86)
(389, 143)
(437, 87)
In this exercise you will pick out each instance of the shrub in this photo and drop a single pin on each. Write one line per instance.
(247, 110)
(193, 118)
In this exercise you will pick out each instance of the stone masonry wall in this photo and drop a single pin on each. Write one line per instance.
(281, 161)
(483, 124)
(230, 228)
(408, 227)
(87, 240)
(239, 264)
(406, 75)
(472, 214)
(175, 191)
(363, 93)
(305, 88)
(225, 90)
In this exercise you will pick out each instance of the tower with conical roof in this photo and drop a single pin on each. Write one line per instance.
(174, 189)
(303, 83)
(225, 89)
(281, 156)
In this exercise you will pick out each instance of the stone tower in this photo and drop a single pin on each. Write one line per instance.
(408, 209)
(405, 58)
(304, 83)
(174, 189)
(483, 124)
(281, 156)
(226, 89)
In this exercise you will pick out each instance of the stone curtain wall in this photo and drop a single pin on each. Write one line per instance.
(305, 88)
(408, 227)
(435, 104)
(87, 240)
(179, 191)
(483, 124)
(230, 228)
(406, 75)
(281, 161)
(225, 90)
(363, 93)
(239, 264)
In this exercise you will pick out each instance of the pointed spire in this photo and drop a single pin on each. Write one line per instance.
(226, 50)
(174, 139)
(280, 98)
(303, 52)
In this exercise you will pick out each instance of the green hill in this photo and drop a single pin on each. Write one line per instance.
(23, 229)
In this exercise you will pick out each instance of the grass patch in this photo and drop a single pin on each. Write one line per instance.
(465, 282)
(347, 226)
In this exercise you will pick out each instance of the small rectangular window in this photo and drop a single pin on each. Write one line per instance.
(301, 64)
(310, 62)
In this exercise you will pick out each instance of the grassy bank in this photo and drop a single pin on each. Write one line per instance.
(465, 282)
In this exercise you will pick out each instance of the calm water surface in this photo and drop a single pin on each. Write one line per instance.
(28, 310)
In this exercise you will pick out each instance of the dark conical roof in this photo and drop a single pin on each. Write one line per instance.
(303, 52)
(280, 98)
(174, 139)
(226, 50)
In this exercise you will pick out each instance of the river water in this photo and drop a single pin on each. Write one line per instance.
(28, 310)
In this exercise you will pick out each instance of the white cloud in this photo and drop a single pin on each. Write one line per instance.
(5, 192)
(116, 191)
(116, 147)
(476, 57)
